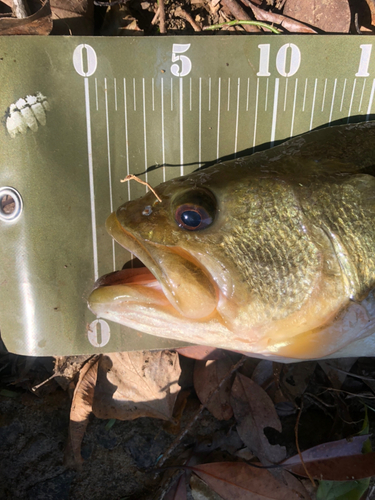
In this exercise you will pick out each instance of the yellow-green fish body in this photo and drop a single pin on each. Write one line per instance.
(273, 254)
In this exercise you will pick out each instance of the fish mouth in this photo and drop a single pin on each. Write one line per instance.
(170, 280)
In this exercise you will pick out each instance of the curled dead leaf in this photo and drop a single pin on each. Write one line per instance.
(39, 23)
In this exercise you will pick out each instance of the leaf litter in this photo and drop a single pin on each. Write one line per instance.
(233, 433)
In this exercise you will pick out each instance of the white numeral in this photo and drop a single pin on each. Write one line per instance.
(365, 60)
(180, 48)
(84, 60)
(281, 58)
(99, 333)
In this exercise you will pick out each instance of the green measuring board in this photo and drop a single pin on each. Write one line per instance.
(79, 113)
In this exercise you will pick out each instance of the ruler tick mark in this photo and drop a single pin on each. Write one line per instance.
(286, 92)
(126, 137)
(144, 128)
(200, 125)
(363, 90)
(294, 107)
(256, 114)
(162, 127)
(313, 104)
(218, 118)
(237, 116)
(370, 101)
(153, 93)
(171, 94)
(274, 111)
(266, 101)
(324, 94)
(181, 126)
(228, 94)
(247, 94)
(96, 94)
(109, 165)
(190, 92)
(351, 100)
(333, 101)
(115, 89)
(342, 97)
(134, 99)
(209, 94)
(304, 95)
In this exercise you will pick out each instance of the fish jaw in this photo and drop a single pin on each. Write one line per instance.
(179, 282)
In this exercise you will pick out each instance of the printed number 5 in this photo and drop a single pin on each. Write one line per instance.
(180, 48)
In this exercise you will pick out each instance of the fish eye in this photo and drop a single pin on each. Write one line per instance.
(195, 210)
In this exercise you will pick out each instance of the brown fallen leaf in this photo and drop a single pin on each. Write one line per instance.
(254, 411)
(124, 386)
(207, 376)
(331, 16)
(39, 23)
(201, 352)
(350, 468)
(73, 17)
(240, 481)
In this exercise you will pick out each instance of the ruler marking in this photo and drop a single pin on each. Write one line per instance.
(351, 100)
(209, 94)
(109, 166)
(363, 90)
(333, 101)
(274, 111)
(218, 118)
(96, 94)
(370, 100)
(190, 92)
(91, 180)
(144, 128)
(294, 107)
(256, 114)
(126, 137)
(247, 94)
(286, 92)
(171, 94)
(228, 94)
(115, 88)
(153, 93)
(200, 125)
(342, 97)
(134, 98)
(237, 116)
(313, 104)
(304, 95)
(181, 127)
(162, 127)
(266, 101)
(324, 94)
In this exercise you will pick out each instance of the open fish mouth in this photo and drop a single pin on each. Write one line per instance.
(170, 280)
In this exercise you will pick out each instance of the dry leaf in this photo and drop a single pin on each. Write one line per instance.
(254, 411)
(124, 386)
(271, 17)
(331, 16)
(73, 17)
(335, 370)
(207, 376)
(39, 23)
(137, 384)
(350, 468)
(178, 489)
(240, 481)
(201, 491)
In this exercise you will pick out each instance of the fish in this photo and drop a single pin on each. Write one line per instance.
(272, 254)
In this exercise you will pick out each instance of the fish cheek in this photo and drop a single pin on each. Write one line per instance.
(187, 286)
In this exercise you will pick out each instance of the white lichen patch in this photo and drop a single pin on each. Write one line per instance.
(27, 113)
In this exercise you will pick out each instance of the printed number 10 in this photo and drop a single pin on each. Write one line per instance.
(264, 59)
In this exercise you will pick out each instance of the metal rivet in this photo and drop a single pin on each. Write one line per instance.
(11, 204)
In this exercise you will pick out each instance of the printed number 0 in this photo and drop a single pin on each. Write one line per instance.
(180, 48)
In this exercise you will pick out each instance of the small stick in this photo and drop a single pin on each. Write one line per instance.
(251, 23)
(298, 448)
(131, 177)
(198, 413)
(156, 16)
(162, 16)
(185, 15)
(238, 12)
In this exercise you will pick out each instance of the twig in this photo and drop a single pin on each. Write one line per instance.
(287, 23)
(298, 448)
(155, 19)
(251, 23)
(198, 413)
(185, 15)
(238, 12)
(162, 16)
(131, 177)
(110, 4)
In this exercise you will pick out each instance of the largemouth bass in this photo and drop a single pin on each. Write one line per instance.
(271, 254)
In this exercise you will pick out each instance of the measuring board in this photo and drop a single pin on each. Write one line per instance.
(79, 113)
